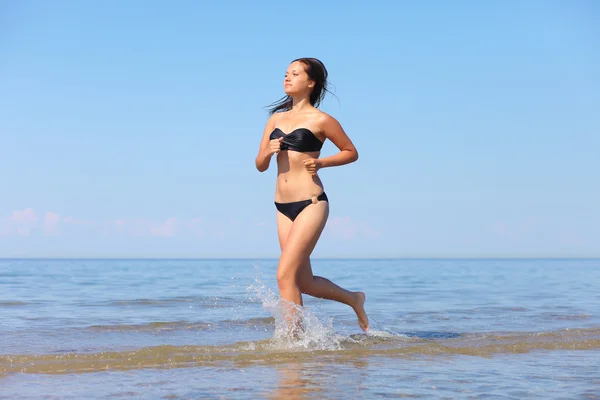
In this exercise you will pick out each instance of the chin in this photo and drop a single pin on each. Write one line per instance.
(288, 90)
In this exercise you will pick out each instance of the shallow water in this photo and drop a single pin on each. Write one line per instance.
(210, 328)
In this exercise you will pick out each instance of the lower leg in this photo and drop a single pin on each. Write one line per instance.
(317, 286)
(324, 288)
(289, 291)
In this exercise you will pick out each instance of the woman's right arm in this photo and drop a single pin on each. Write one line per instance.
(263, 158)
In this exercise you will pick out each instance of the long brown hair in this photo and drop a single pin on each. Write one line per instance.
(316, 72)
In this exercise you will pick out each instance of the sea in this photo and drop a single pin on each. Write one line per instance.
(212, 328)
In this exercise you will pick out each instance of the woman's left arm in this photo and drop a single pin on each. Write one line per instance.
(334, 132)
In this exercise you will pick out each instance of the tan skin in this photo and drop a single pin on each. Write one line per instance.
(297, 179)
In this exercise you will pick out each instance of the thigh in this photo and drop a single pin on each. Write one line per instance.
(284, 224)
(305, 232)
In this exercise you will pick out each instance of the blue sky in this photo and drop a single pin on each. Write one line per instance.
(129, 129)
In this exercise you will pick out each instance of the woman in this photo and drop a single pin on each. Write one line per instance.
(295, 131)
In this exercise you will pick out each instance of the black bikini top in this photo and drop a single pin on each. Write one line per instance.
(301, 139)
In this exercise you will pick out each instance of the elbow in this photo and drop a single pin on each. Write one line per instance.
(351, 155)
(260, 167)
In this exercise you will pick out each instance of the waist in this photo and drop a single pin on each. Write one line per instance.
(297, 187)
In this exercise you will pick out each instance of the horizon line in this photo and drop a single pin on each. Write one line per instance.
(449, 257)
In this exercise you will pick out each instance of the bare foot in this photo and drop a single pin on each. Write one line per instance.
(359, 309)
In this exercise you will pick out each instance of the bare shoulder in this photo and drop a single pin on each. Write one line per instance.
(273, 118)
(322, 116)
(329, 125)
(331, 129)
(271, 122)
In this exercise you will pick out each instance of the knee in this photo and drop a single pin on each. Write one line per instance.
(286, 275)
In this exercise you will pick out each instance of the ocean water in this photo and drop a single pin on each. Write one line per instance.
(167, 329)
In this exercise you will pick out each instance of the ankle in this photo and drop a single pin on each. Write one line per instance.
(355, 299)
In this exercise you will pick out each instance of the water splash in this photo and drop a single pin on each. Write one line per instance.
(304, 331)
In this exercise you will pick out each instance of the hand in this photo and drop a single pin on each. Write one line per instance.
(275, 146)
(312, 165)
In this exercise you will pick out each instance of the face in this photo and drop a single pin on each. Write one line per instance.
(296, 79)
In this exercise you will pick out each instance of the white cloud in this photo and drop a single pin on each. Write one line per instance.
(51, 221)
(347, 228)
(342, 226)
(23, 221)
(27, 222)
(164, 229)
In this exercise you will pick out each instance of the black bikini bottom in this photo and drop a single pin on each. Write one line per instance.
(293, 209)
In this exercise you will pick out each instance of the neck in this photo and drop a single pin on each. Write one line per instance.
(300, 104)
